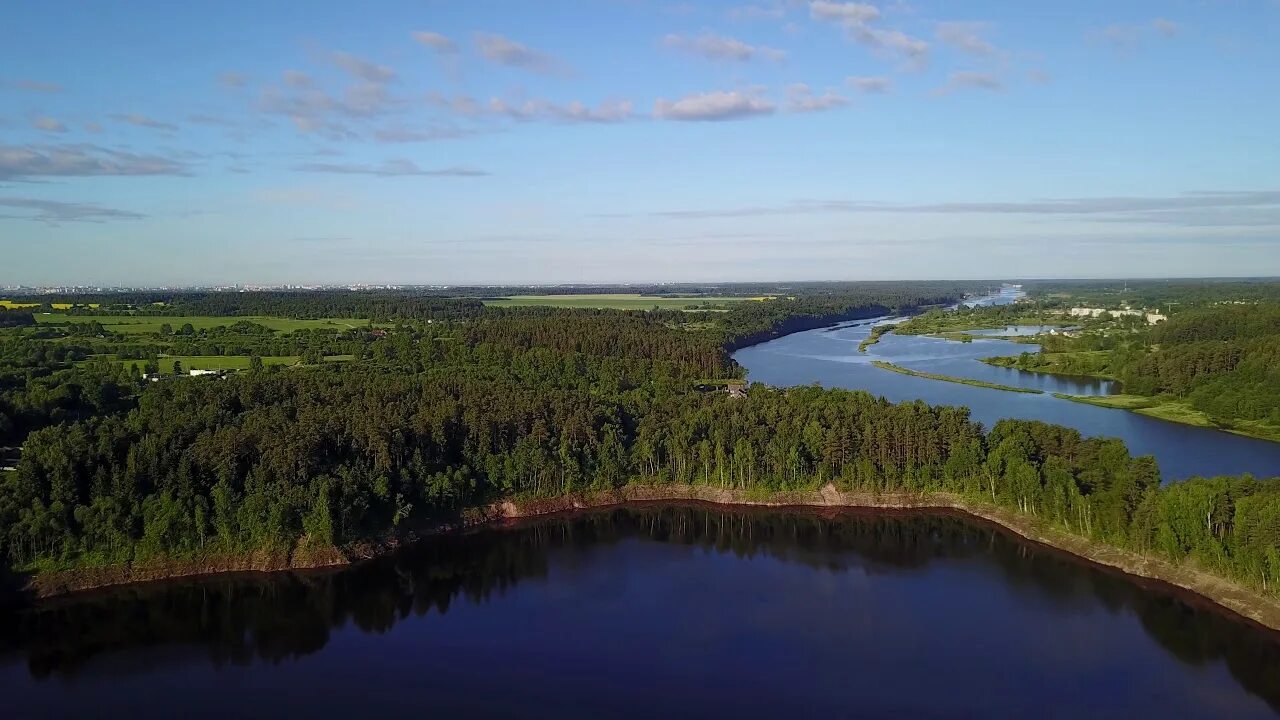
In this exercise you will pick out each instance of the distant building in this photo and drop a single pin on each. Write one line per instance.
(1151, 318)
(736, 390)
(216, 373)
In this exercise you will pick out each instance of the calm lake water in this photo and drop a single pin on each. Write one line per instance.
(830, 357)
(654, 612)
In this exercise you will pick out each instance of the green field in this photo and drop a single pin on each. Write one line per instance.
(219, 362)
(1175, 411)
(953, 379)
(619, 301)
(153, 323)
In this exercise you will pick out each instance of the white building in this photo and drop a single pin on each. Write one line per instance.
(1151, 318)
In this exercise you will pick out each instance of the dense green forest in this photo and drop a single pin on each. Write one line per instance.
(431, 418)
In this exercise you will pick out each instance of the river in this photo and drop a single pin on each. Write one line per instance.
(830, 357)
(684, 611)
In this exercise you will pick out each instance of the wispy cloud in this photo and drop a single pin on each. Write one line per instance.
(365, 70)
(967, 37)
(1126, 38)
(1167, 28)
(35, 86)
(720, 47)
(607, 112)
(232, 80)
(80, 160)
(970, 79)
(801, 99)
(859, 23)
(466, 106)
(849, 13)
(312, 109)
(412, 134)
(759, 11)
(53, 212)
(504, 51)
(1198, 209)
(390, 168)
(143, 121)
(48, 124)
(868, 84)
(714, 106)
(436, 42)
(893, 42)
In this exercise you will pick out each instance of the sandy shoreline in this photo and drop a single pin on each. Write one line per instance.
(1247, 603)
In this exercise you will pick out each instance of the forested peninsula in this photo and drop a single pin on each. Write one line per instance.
(414, 412)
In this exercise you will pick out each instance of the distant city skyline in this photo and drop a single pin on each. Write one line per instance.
(422, 142)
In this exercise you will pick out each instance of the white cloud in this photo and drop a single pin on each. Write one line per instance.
(894, 42)
(711, 106)
(436, 41)
(857, 18)
(800, 99)
(719, 47)
(868, 84)
(505, 51)
(843, 12)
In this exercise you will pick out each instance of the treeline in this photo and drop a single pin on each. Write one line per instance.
(16, 318)
(378, 306)
(1176, 293)
(332, 457)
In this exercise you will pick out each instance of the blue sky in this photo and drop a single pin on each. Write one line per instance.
(490, 141)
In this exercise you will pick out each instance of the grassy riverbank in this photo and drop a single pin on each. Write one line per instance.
(1250, 604)
(876, 333)
(1178, 411)
(951, 378)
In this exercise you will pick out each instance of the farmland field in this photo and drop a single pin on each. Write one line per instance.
(153, 323)
(618, 301)
(11, 305)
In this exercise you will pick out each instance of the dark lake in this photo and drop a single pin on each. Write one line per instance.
(830, 357)
(683, 611)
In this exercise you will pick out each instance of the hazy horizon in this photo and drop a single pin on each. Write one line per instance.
(636, 141)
